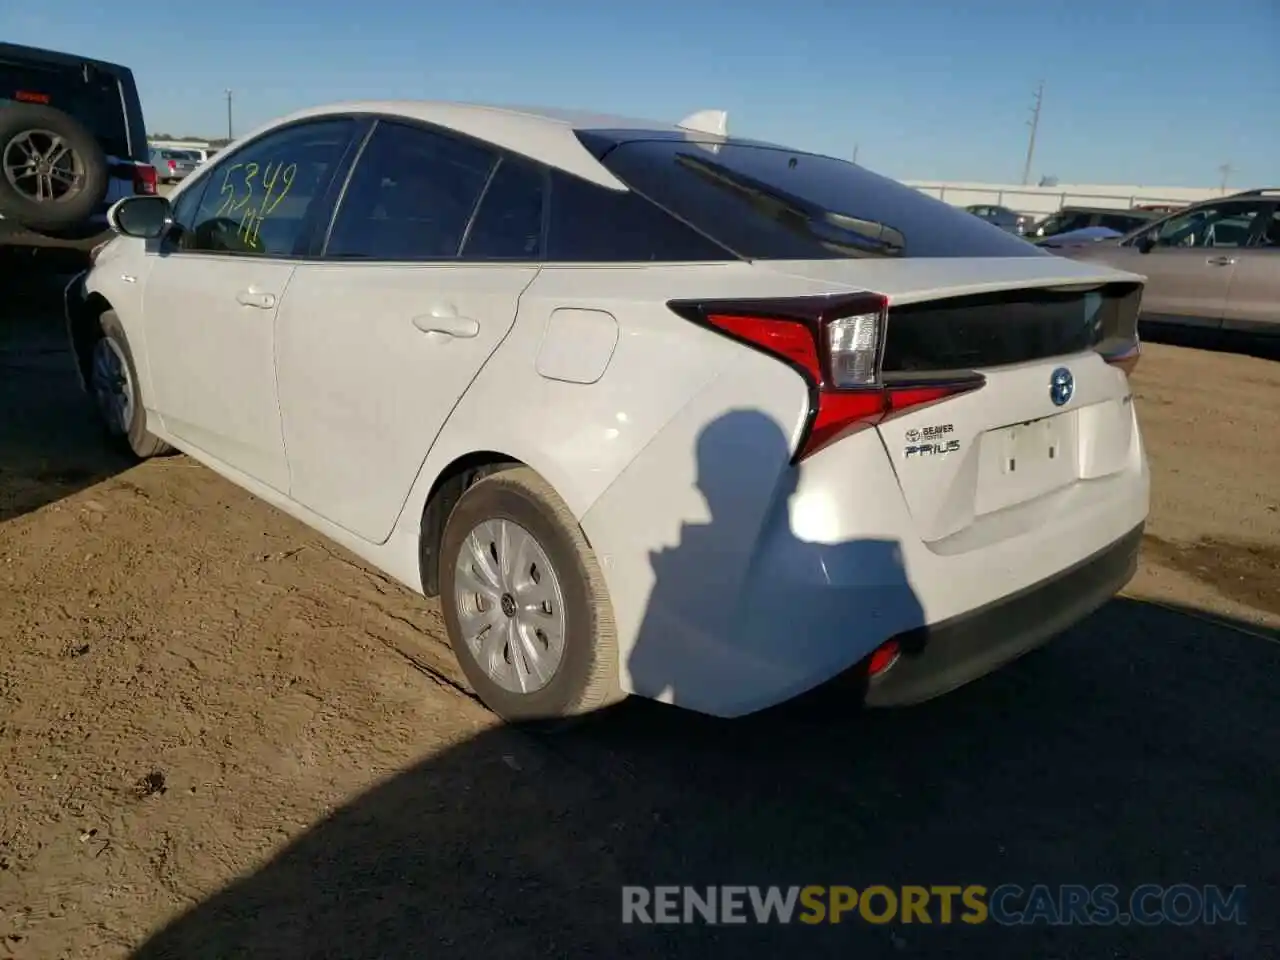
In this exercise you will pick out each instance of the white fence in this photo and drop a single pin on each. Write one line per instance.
(1042, 201)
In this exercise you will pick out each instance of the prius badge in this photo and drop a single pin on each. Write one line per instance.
(1062, 386)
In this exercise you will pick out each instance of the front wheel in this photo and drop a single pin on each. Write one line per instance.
(525, 601)
(117, 397)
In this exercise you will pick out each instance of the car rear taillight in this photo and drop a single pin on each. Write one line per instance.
(836, 344)
(144, 178)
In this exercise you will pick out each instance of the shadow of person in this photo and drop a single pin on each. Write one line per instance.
(1094, 761)
(744, 613)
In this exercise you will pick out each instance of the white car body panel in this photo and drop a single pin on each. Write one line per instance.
(216, 386)
(737, 580)
(364, 389)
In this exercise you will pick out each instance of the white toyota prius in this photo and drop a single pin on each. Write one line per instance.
(652, 409)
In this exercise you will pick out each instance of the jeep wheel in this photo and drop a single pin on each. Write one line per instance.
(53, 173)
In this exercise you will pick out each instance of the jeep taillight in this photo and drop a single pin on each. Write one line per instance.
(144, 178)
(836, 344)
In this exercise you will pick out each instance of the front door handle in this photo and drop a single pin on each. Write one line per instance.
(448, 324)
(254, 298)
(1220, 261)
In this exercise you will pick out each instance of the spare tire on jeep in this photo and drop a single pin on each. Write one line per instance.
(53, 173)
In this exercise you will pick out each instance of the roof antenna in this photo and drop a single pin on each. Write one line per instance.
(714, 122)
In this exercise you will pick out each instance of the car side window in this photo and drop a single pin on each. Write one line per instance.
(410, 197)
(593, 224)
(1269, 238)
(1117, 222)
(1228, 225)
(181, 235)
(1074, 221)
(508, 225)
(258, 200)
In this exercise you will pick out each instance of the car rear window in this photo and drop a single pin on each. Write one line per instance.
(91, 96)
(769, 203)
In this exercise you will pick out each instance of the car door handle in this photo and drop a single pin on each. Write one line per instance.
(1220, 261)
(448, 324)
(254, 298)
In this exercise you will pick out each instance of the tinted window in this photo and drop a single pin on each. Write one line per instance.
(769, 203)
(95, 102)
(1065, 222)
(410, 197)
(1120, 222)
(186, 207)
(593, 224)
(259, 200)
(508, 225)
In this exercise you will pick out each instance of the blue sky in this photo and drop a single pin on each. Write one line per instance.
(1153, 92)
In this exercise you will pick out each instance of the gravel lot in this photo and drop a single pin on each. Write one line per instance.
(222, 737)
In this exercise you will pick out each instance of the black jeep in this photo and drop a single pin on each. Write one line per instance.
(72, 142)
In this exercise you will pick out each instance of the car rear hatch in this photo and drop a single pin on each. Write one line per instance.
(1038, 348)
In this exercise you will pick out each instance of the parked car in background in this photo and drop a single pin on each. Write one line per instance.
(652, 409)
(72, 142)
(1002, 217)
(1074, 238)
(1214, 264)
(173, 164)
(1072, 218)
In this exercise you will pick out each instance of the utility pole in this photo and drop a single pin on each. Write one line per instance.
(855, 152)
(1034, 124)
(229, 134)
(1225, 170)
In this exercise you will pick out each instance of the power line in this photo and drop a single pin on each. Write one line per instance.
(1034, 124)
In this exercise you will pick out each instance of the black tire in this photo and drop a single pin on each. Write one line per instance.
(85, 153)
(128, 432)
(586, 678)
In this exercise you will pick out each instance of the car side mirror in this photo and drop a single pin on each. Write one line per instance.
(144, 217)
(1145, 243)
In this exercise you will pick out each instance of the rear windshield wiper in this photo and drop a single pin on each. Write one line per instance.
(840, 232)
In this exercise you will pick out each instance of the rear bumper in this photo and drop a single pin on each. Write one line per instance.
(943, 656)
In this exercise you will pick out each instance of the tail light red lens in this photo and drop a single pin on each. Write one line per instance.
(883, 657)
(144, 178)
(836, 344)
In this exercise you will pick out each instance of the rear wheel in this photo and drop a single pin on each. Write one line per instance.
(525, 601)
(113, 385)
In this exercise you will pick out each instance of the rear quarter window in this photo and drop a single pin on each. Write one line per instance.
(593, 224)
(769, 203)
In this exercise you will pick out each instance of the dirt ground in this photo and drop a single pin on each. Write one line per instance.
(222, 737)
